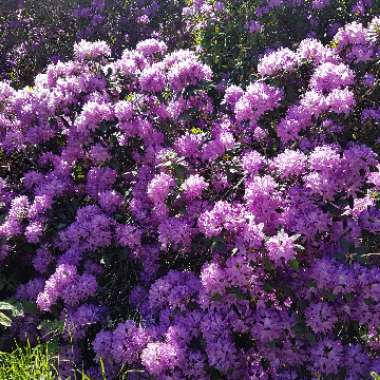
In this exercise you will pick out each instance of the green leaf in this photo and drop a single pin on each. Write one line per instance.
(30, 307)
(217, 297)
(5, 306)
(180, 172)
(268, 265)
(53, 346)
(4, 320)
(294, 264)
(52, 327)
(267, 287)
(236, 291)
(331, 297)
(14, 307)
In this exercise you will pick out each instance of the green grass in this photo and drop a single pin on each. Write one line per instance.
(32, 363)
(28, 363)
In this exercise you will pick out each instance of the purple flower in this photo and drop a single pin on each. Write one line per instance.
(254, 26)
(281, 247)
(282, 60)
(193, 186)
(159, 188)
(91, 50)
(151, 47)
(157, 358)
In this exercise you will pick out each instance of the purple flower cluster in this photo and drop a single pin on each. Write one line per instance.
(185, 235)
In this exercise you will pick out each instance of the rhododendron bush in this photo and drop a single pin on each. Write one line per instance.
(163, 219)
(34, 33)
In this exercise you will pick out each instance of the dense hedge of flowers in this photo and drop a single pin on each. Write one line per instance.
(230, 35)
(235, 34)
(175, 222)
(35, 33)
